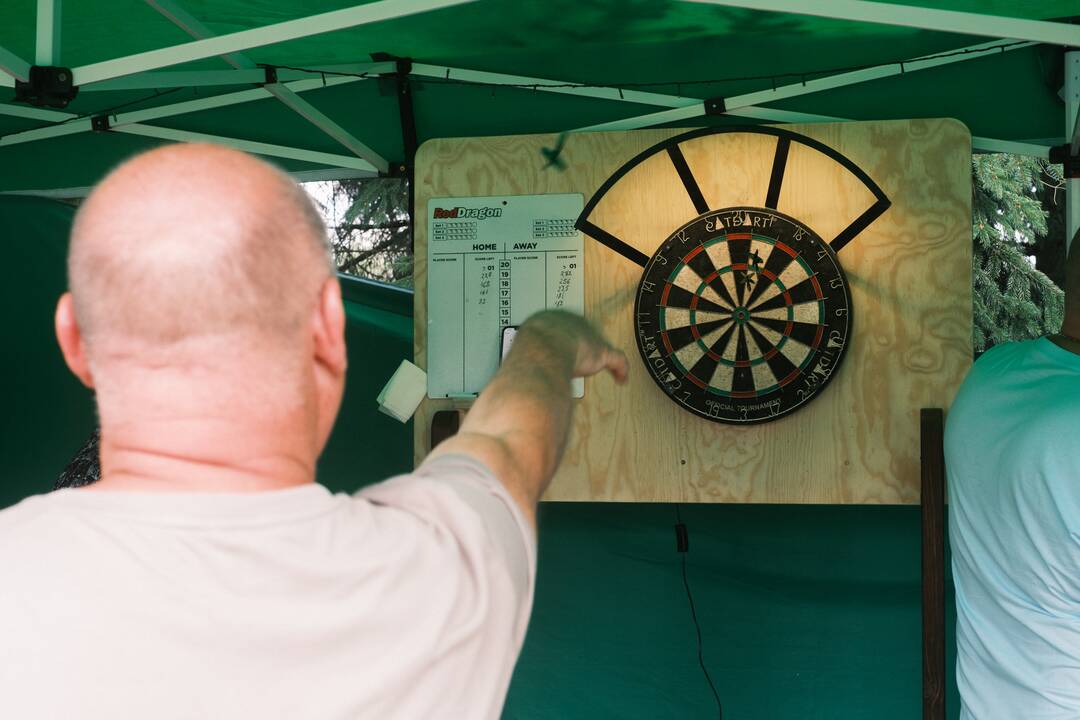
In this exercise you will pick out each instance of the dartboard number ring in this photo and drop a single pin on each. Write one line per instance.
(742, 315)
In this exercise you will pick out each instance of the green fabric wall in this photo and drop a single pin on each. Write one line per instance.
(366, 445)
(47, 413)
(807, 612)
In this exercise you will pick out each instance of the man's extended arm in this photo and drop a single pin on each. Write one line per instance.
(519, 424)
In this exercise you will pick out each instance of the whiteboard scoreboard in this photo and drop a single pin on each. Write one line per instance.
(493, 262)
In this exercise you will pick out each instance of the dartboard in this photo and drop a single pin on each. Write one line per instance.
(742, 314)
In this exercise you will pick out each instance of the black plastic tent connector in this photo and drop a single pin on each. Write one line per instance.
(715, 106)
(47, 86)
(1070, 162)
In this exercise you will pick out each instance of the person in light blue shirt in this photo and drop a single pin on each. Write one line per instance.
(1012, 458)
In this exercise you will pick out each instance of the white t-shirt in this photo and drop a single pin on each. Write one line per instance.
(409, 600)
(1012, 454)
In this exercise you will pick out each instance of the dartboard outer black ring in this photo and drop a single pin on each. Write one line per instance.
(648, 350)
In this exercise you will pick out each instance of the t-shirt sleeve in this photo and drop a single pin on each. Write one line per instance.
(460, 495)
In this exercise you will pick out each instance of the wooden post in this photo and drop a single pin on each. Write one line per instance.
(933, 562)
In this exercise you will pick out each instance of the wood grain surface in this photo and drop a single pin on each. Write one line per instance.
(909, 275)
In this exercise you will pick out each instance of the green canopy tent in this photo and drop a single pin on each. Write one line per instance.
(808, 612)
(498, 67)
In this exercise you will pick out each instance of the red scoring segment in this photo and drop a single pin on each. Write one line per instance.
(686, 260)
(791, 376)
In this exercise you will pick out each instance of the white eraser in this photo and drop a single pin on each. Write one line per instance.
(403, 392)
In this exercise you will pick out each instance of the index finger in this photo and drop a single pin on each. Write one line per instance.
(618, 365)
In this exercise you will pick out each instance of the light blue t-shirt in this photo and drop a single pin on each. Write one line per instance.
(1012, 457)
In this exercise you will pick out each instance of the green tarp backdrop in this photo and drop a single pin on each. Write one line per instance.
(807, 612)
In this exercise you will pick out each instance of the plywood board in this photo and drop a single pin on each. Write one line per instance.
(909, 275)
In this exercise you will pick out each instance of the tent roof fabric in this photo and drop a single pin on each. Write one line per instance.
(692, 50)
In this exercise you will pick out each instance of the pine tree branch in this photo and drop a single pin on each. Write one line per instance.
(362, 255)
(375, 226)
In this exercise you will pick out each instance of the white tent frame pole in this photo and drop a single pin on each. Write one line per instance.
(980, 144)
(677, 103)
(74, 127)
(831, 82)
(192, 26)
(34, 113)
(157, 113)
(187, 22)
(1072, 137)
(753, 112)
(12, 67)
(649, 119)
(216, 101)
(328, 126)
(922, 18)
(258, 148)
(209, 78)
(47, 47)
(442, 72)
(258, 37)
(775, 115)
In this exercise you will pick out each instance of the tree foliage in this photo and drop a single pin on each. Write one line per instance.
(371, 236)
(1014, 299)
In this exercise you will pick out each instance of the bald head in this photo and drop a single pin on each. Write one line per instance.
(204, 312)
(194, 241)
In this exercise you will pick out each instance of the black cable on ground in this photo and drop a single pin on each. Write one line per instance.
(682, 540)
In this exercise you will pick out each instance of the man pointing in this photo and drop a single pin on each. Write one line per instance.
(206, 574)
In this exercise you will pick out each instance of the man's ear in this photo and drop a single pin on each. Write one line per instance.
(329, 328)
(70, 339)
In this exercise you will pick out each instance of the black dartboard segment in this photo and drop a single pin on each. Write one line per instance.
(743, 315)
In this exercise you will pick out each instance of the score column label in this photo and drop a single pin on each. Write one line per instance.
(479, 310)
(504, 291)
(446, 278)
